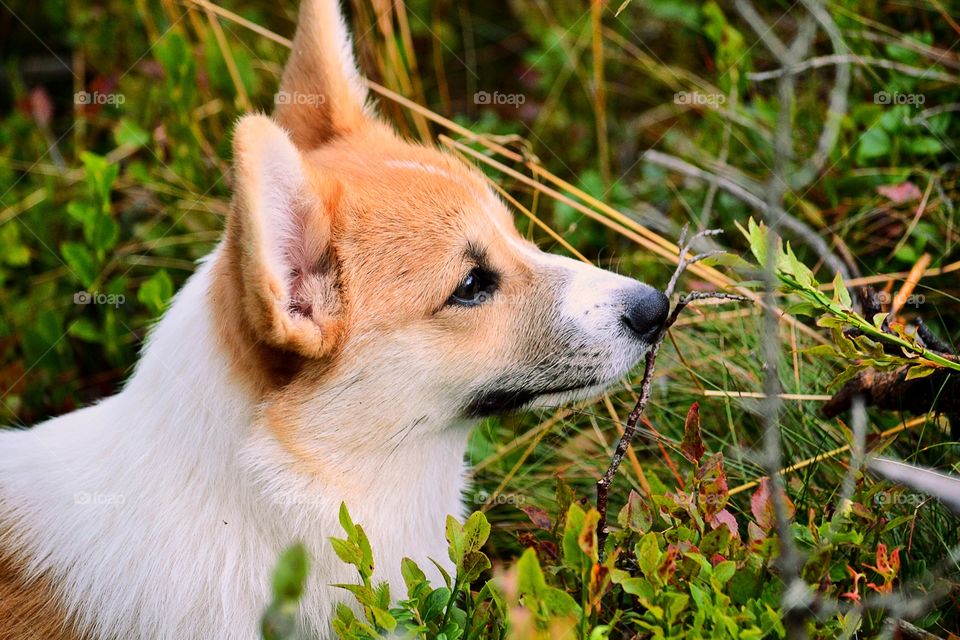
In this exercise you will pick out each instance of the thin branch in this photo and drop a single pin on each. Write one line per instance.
(765, 31)
(630, 429)
(784, 220)
(837, 108)
(819, 62)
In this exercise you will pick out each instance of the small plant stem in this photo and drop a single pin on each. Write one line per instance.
(856, 321)
(630, 428)
(451, 601)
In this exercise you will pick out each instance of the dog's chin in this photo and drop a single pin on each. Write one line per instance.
(493, 402)
(566, 396)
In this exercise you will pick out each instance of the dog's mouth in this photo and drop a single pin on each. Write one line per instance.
(492, 402)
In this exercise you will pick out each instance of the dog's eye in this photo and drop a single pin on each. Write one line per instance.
(475, 289)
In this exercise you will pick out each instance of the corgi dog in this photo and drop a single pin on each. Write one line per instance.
(370, 301)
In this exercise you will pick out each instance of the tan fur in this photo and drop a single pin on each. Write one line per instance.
(321, 101)
(396, 221)
(30, 609)
(400, 238)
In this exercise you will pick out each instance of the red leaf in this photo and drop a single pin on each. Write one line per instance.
(761, 505)
(900, 193)
(539, 517)
(692, 445)
(725, 518)
(712, 486)
(41, 106)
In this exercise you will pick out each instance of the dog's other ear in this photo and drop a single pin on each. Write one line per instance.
(283, 264)
(321, 94)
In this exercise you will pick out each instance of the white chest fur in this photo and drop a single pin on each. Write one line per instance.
(160, 512)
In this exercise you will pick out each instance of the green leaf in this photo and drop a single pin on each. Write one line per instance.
(80, 261)
(532, 585)
(875, 143)
(443, 573)
(383, 619)
(435, 604)
(573, 556)
(364, 594)
(822, 350)
(803, 308)
(829, 322)
(476, 530)
(925, 145)
(366, 553)
(85, 329)
(455, 540)
(156, 292)
(290, 576)
(413, 576)
(474, 564)
(919, 371)
(101, 174)
(636, 514)
(345, 521)
(347, 551)
(648, 555)
(724, 571)
(840, 293)
(843, 377)
(15, 253)
(756, 236)
(130, 133)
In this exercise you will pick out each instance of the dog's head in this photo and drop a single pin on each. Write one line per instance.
(365, 274)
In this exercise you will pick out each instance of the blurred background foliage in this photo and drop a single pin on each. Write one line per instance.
(115, 130)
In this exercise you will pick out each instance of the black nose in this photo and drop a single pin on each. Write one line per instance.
(646, 312)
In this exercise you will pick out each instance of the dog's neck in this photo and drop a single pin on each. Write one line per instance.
(174, 472)
(185, 376)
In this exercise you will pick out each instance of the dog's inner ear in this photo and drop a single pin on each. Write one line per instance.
(279, 238)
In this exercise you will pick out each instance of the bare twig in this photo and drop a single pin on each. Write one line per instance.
(837, 108)
(630, 429)
(785, 221)
(849, 58)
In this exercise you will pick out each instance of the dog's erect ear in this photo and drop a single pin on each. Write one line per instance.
(279, 241)
(322, 94)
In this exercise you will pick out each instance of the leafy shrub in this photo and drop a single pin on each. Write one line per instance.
(679, 565)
